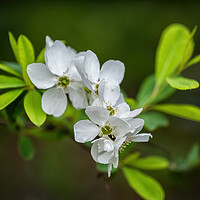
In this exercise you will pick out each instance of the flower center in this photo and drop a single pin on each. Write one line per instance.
(63, 81)
(106, 130)
(111, 110)
(96, 89)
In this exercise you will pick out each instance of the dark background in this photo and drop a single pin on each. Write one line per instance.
(125, 30)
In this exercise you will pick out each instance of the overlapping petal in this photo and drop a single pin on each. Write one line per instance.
(85, 131)
(97, 114)
(54, 102)
(58, 58)
(40, 76)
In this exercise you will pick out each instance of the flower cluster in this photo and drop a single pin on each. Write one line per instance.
(111, 124)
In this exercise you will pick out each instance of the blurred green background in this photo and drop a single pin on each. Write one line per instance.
(125, 30)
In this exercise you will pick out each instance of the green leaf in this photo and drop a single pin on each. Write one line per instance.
(40, 58)
(186, 111)
(193, 156)
(33, 108)
(145, 186)
(12, 68)
(14, 46)
(171, 49)
(26, 55)
(182, 83)
(10, 82)
(154, 120)
(131, 158)
(131, 102)
(146, 90)
(150, 163)
(25, 147)
(9, 97)
(193, 61)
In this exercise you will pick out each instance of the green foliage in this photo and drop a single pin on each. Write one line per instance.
(12, 68)
(131, 102)
(173, 45)
(190, 112)
(25, 147)
(146, 186)
(32, 105)
(40, 58)
(189, 162)
(131, 158)
(26, 55)
(193, 61)
(9, 97)
(145, 92)
(14, 46)
(182, 83)
(10, 82)
(150, 163)
(154, 120)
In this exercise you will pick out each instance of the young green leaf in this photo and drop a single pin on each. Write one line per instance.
(40, 58)
(193, 61)
(26, 55)
(182, 83)
(145, 186)
(171, 49)
(33, 108)
(12, 68)
(193, 156)
(10, 82)
(131, 102)
(14, 46)
(9, 97)
(150, 163)
(154, 120)
(190, 112)
(25, 147)
(146, 91)
(131, 158)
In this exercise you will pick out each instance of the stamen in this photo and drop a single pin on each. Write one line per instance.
(111, 110)
(106, 130)
(63, 82)
(96, 89)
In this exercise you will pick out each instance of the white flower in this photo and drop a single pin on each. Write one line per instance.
(105, 81)
(121, 109)
(109, 134)
(60, 75)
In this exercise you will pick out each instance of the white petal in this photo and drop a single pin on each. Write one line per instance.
(58, 58)
(109, 169)
(73, 74)
(92, 66)
(105, 157)
(94, 151)
(136, 125)
(40, 76)
(113, 70)
(120, 99)
(131, 114)
(143, 137)
(97, 102)
(97, 115)
(109, 92)
(77, 95)
(54, 102)
(119, 126)
(85, 131)
(122, 108)
(49, 42)
(79, 64)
